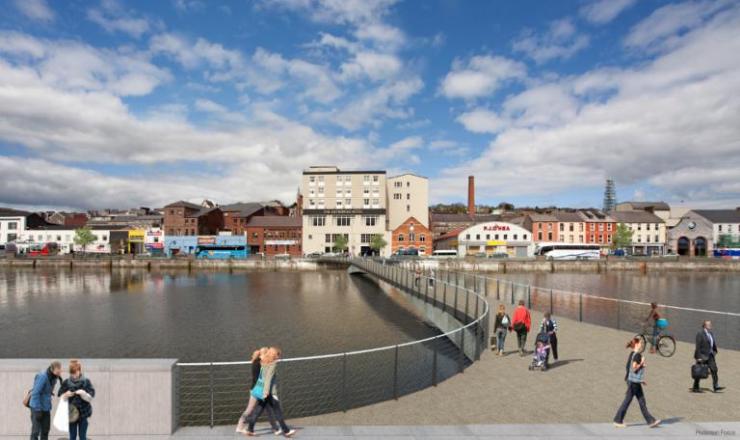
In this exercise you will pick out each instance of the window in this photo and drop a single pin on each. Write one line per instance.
(408, 196)
(59, 238)
(321, 191)
(371, 220)
(12, 225)
(339, 193)
(496, 237)
(311, 203)
(477, 236)
(488, 236)
(657, 226)
(366, 180)
(376, 192)
(609, 238)
(524, 237)
(365, 203)
(467, 236)
(580, 227)
(348, 203)
(422, 237)
(340, 180)
(408, 208)
(515, 236)
(720, 228)
(400, 237)
(319, 221)
(647, 227)
(321, 204)
(397, 184)
(327, 238)
(321, 180)
(608, 226)
(366, 238)
(339, 204)
(412, 236)
(506, 236)
(647, 239)
(639, 239)
(348, 193)
(376, 180)
(539, 236)
(344, 220)
(601, 226)
(376, 203)
(580, 238)
(549, 236)
(104, 237)
(549, 226)
(657, 239)
(12, 237)
(408, 184)
(562, 238)
(312, 180)
(397, 196)
(366, 192)
(348, 179)
(562, 227)
(639, 226)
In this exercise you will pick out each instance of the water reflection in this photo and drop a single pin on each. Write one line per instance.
(204, 316)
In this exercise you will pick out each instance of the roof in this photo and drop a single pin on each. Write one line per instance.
(594, 215)
(451, 234)
(542, 217)
(244, 209)
(9, 212)
(275, 221)
(184, 204)
(203, 211)
(638, 216)
(660, 206)
(53, 227)
(720, 215)
(443, 217)
(407, 174)
(567, 216)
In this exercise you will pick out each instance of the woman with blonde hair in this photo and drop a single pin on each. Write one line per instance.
(501, 326)
(79, 392)
(256, 360)
(265, 391)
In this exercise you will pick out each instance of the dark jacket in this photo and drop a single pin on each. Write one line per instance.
(82, 383)
(43, 388)
(704, 348)
(499, 320)
(256, 366)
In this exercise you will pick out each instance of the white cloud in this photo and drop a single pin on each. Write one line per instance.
(482, 121)
(376, 66)
(35, 9)
(112, 17)
(336, 11)
(448, 148)
(560, 41)
(76, 66)
(480, 76)
(189, 5)
(663, 27)
(604, 11)
(669, 123)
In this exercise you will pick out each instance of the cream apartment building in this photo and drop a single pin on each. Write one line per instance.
(408, 196)
(648, 231)
(349, 203)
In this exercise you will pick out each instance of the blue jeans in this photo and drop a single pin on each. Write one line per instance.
(634, 390)
(79, 427)
(654, 341)
(500, 339)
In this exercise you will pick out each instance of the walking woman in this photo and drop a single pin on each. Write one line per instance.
(522, 323)
(79, 392)
(550, 326)
(501, 326)
(635, 378)
(256, 367)
(265, 391)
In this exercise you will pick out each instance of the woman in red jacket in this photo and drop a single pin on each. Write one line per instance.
(521, 322)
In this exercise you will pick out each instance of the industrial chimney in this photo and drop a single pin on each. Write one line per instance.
(471, 196)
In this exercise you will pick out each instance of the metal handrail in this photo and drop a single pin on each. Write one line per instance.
(587, 295)
(370, 350)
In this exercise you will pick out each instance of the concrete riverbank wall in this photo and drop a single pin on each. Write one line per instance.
(465, 265)
(133, 397)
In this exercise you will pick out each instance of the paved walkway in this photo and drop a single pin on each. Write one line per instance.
(586, 386)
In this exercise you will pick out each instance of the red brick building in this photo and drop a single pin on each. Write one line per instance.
(544, 227)
(185, 218)
(599, 227)
(412, 234)
(237, 215)
(274, 235)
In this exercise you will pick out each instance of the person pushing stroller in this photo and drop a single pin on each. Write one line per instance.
(541, 353)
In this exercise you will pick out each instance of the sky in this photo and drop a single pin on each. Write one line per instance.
(123, 103)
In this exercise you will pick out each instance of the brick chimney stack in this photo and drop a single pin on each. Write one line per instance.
(471, 196)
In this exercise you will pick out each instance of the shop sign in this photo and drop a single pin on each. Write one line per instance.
(206, 240)
(496, 228)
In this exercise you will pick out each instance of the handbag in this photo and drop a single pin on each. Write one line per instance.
(258, 391)
(27, 399)
(74, 413)
(699, 371)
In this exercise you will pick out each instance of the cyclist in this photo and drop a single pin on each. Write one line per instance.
(654, 316)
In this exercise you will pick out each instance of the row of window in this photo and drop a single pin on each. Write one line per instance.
(343, 220)
(67, 238)
(344, 204)
(398, 184)
(344, 180)
(496, 236)
(647, 226)
(728, 228)
(412, 237)
(399, 196)
(14, 225)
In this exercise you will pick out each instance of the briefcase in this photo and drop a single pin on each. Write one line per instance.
(699, 371)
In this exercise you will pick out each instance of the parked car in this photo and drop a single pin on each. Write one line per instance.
(282, 257)
(480, 255)
(499, 255)
(314, 255)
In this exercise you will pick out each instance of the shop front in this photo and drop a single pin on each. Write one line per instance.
(495, 239)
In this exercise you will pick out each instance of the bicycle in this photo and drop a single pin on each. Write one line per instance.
(666, 344)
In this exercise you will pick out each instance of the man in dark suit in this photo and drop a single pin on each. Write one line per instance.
(705, 352)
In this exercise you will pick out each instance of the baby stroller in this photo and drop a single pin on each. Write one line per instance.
(541, 350)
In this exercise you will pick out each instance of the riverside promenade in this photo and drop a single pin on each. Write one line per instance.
(585, 386)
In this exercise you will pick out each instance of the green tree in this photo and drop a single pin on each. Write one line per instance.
(340, 243)
(622, 237)
(377, 243)
(83, 237)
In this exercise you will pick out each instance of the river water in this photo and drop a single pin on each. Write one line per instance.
(207, 316)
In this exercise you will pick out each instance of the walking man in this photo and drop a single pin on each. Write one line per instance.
(40, 402)
(705, 353)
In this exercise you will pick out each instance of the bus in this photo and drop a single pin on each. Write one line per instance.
(444, 253)
(568, 251)
(33, 249)
(727, 253)
(221, 252)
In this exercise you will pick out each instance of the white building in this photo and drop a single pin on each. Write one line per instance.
(408, 196)
(64, 238)
(495, 238)
(12, 224)
(648, 231)
(348, 203)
